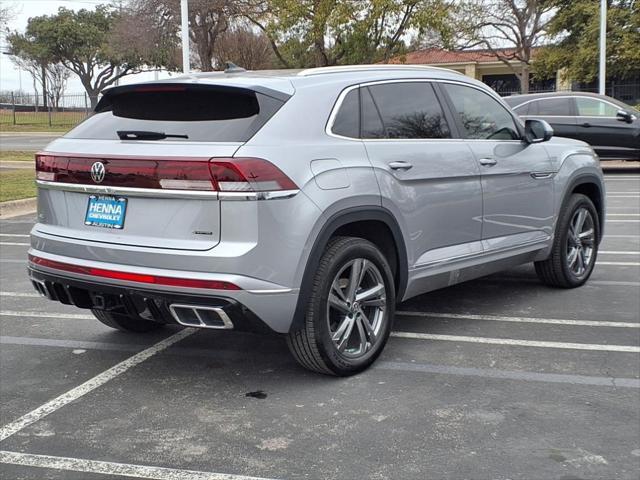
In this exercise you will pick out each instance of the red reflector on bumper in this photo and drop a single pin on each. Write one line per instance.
(134, 277)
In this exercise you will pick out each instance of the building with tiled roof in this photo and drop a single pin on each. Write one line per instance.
(479, 64)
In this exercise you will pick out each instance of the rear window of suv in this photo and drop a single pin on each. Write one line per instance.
(202, 113)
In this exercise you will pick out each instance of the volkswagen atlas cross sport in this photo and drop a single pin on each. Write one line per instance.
(305, 203)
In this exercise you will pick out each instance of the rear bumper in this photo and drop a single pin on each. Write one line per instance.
(258, 306)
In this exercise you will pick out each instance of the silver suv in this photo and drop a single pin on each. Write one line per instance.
(305, 203)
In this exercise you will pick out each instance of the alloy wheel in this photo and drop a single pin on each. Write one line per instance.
(581, 242)
(356, 308)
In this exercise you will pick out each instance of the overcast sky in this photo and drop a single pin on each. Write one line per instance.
(9, 74)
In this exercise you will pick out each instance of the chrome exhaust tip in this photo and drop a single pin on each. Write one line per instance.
(201, 316)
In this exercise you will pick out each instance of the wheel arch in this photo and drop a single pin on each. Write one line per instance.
(591, 186)
(359, 222)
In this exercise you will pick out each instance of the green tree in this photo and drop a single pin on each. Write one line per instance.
(510, 30)
(319, 33)
(576, 29)
(83, 42)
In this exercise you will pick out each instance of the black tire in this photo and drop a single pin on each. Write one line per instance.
(312, 344)
(126, 323)
(556, 271)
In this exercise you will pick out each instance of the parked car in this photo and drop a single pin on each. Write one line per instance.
(611, 127)
(305, 203)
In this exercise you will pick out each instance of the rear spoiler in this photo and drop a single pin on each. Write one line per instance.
(107, 100)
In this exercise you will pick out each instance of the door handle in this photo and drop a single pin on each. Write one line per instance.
(400, 165)
(489, 162)
(586, 124)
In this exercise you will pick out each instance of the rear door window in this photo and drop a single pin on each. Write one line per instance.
(558, 107)
(408, 110)
(203, 113)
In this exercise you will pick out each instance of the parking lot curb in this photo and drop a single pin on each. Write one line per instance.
(16, 208)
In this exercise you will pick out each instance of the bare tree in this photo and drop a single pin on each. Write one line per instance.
(244, 47)
(510, 30)
(6, 13)
(57, 76)
(33, 68)
(208, 20)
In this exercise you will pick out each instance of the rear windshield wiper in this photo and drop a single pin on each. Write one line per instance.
(146, 135)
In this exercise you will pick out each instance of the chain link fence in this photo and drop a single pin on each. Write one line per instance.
(66, 111)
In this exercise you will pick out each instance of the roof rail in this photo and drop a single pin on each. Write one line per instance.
(309, 72)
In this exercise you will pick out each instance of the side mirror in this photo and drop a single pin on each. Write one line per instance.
(624, 116)
(537, 131)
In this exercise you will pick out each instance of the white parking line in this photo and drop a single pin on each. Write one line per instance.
(623, 214)
(111, 468)
(79, 316)
(620, 264)
(617, 252)
(13, 235)
(621, 236)
(90, 385)
(622, 221)
(20, 294)
(14, 243)
(515, 342)
(500, 318)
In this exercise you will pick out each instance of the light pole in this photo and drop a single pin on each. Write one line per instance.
(184, 21)
(603, 47)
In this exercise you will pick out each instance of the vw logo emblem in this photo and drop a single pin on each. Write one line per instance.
(97, 172)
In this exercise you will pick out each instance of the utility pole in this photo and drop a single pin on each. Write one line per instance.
(603, 47)
(184, 21)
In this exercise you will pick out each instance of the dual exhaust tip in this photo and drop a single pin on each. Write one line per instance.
(201, 316)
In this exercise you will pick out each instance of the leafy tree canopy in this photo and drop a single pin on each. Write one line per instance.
(308, 33)
(576, 26)
(84, 41)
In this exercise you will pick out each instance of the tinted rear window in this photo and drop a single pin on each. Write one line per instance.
(209, 114)
(347, 121)
(551, 106)
(407, 110)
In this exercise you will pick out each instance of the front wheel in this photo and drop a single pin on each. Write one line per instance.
(575, 246)
(350, 310)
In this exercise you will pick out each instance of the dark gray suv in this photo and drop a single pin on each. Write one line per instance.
(611, 127)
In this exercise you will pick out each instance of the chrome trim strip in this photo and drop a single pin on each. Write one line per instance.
(129, 191)
(273, 291)
(274, 195)
(479, 254)
(165, 193)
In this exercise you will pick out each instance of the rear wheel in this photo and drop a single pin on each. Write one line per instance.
(575, 246)
(350, 310)
(125, 323)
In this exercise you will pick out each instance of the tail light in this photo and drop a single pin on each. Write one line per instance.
(203, 174)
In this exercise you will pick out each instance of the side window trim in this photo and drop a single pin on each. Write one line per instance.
(455, 126)
(336, 108)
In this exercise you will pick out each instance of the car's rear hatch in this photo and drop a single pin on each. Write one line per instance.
(122, 177)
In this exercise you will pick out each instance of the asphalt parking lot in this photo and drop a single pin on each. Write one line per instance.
(500, 378)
